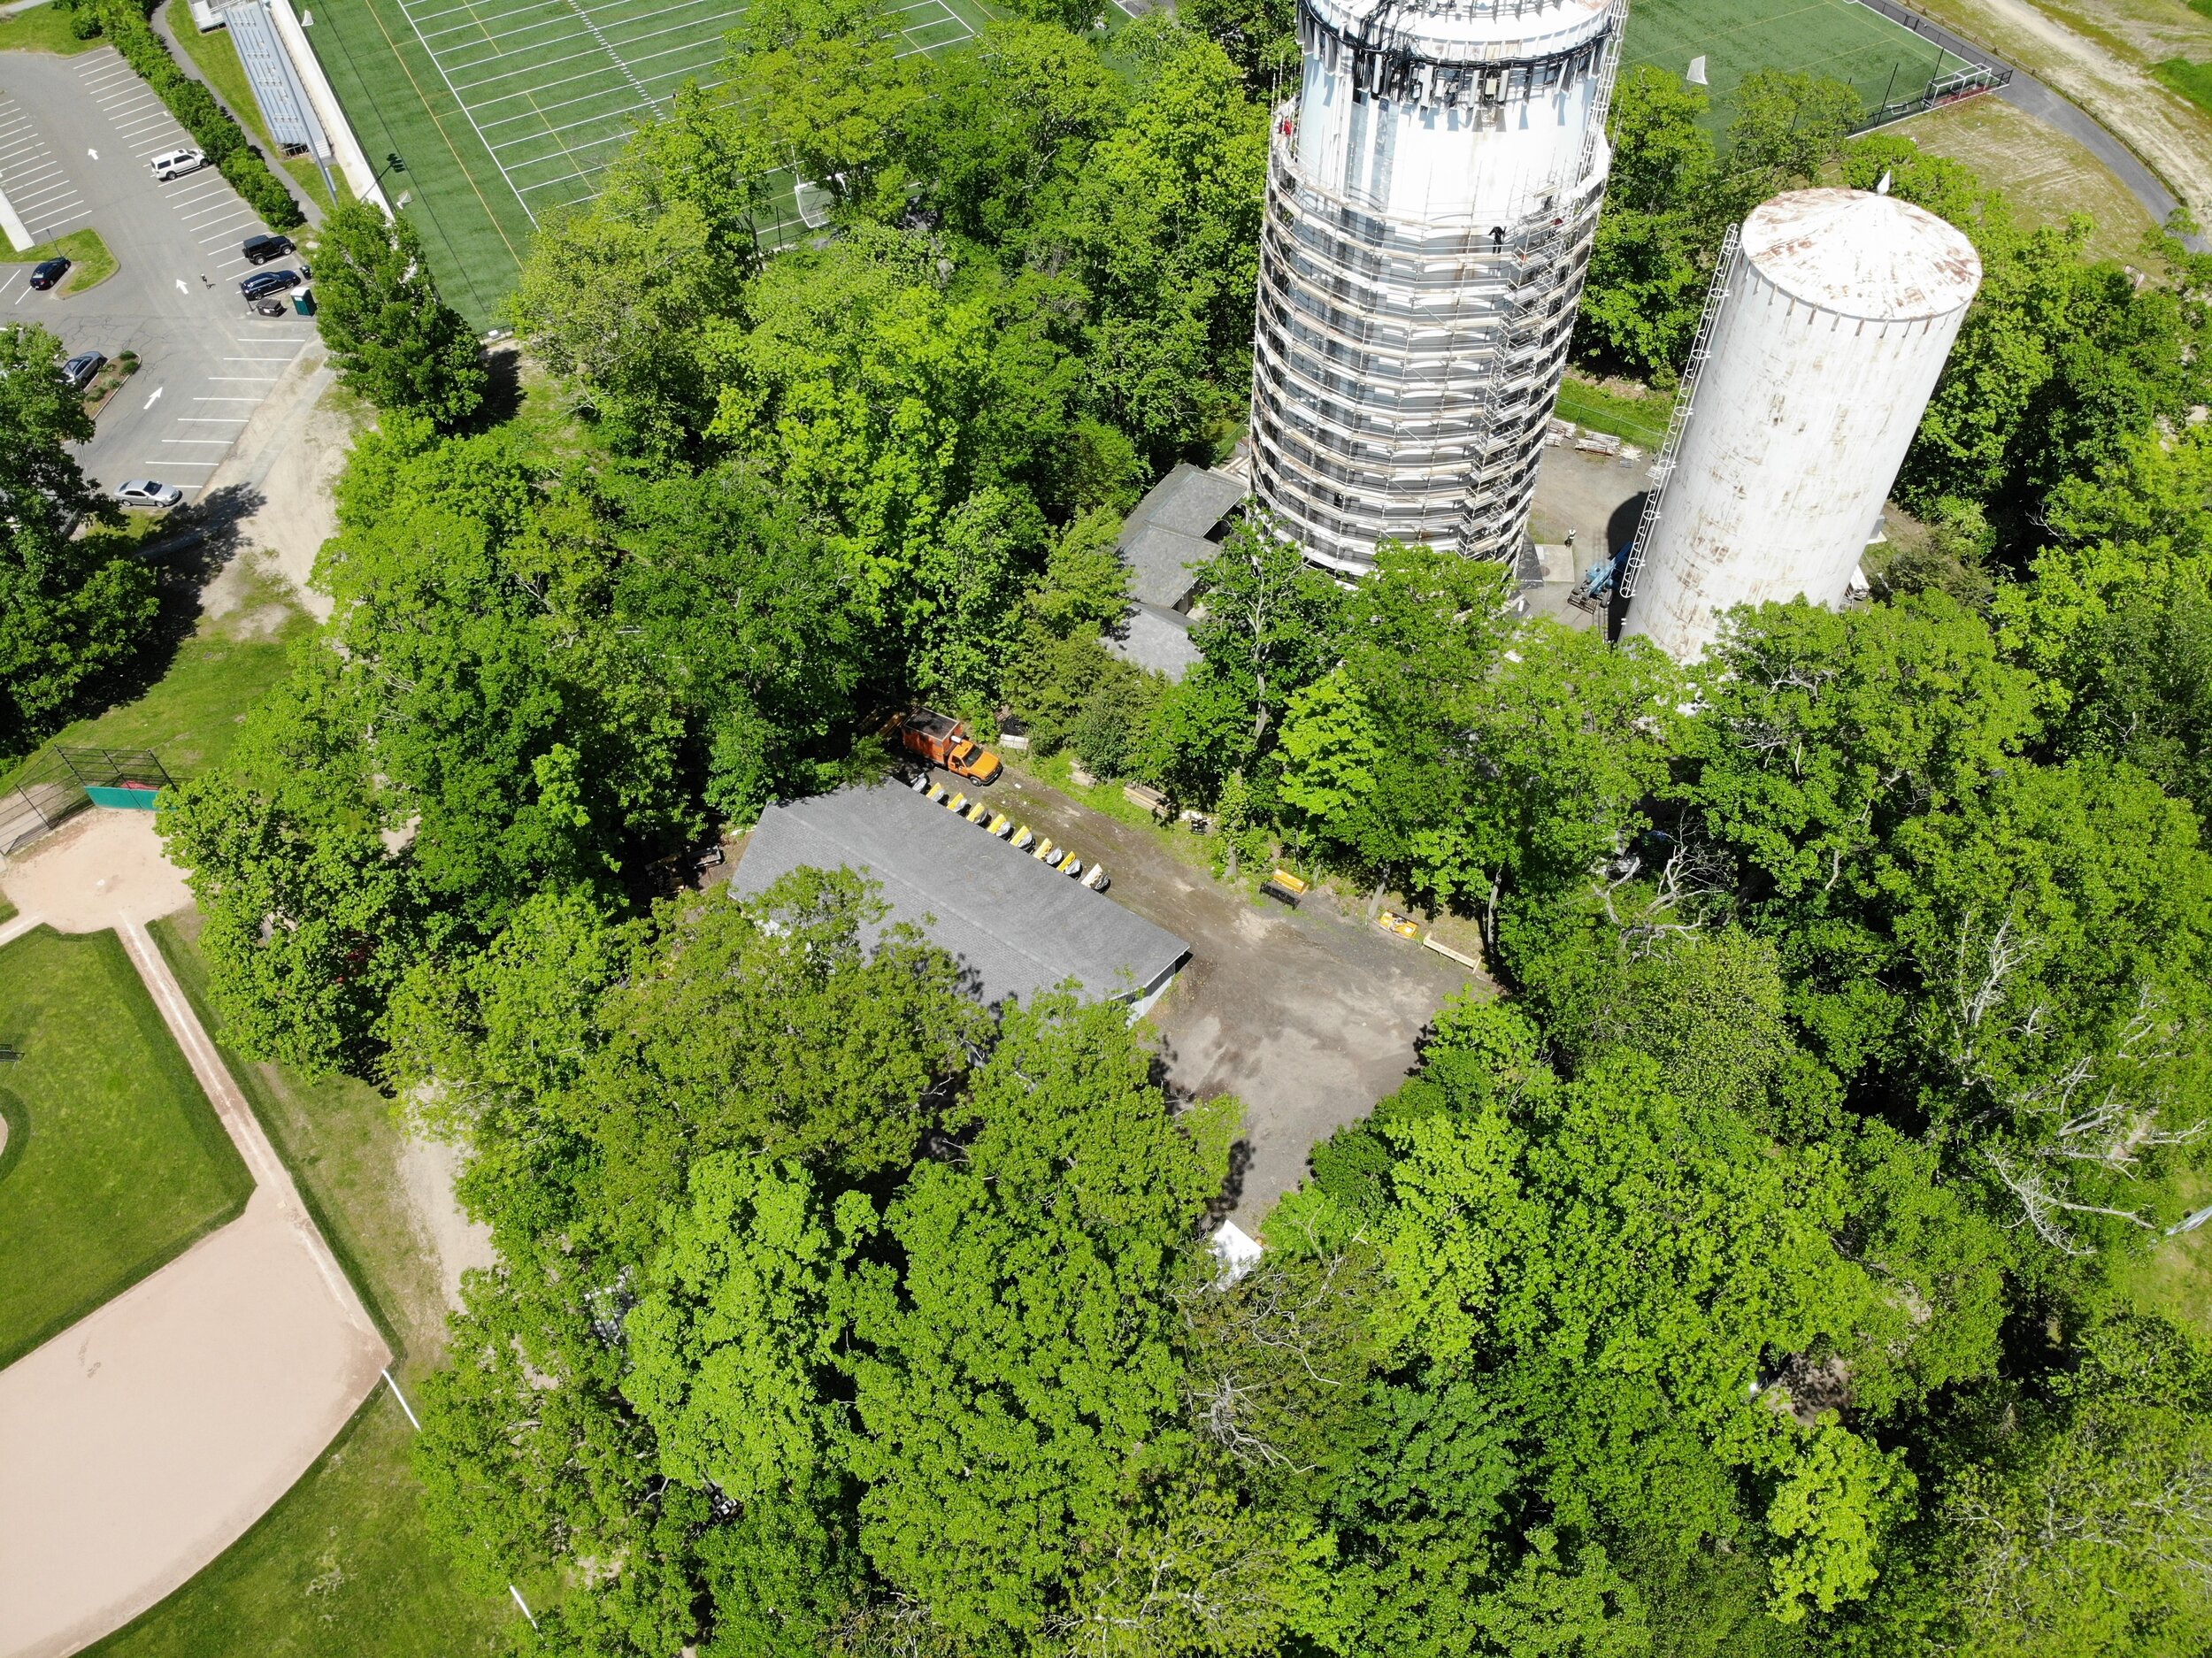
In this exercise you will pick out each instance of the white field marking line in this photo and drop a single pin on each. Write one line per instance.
(531, 92)
(689, 48)
(647, 16)
(570, 127)
(464, 109)
(620, 133)
(629, 74)
(497, 17)
(527, 87)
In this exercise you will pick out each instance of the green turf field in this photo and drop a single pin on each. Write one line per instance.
(503, 111)
(114, 1160)
(1886, 61)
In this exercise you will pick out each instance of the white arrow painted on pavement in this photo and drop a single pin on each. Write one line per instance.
(93, 154)
(181, 288)
(156, 398)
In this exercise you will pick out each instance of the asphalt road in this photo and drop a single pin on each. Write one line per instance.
(83, 127)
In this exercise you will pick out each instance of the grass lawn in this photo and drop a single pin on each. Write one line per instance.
(2193, 81)
(41, 29)
(115, 1160)
(1639, 417)
(1842, 38)
(215, 56)
(90, 262)
(192, 714)
(2175, 1276)
(2044, 174)
(340, 1568)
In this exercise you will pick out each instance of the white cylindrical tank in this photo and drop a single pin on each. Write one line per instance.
(1832, 322)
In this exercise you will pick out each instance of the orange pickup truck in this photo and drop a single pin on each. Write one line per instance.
(942, 740)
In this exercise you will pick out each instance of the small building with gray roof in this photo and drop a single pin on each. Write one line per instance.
(1173, 530)
(1018, 927)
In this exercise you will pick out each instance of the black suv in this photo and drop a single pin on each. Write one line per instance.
(261, 249)
(261, 283)
(49, 272)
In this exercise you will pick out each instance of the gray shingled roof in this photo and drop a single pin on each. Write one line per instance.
(1157, 639)
(1167, 533)
(1020, 928)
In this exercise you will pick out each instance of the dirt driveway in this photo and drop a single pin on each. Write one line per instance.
(1308, 1017)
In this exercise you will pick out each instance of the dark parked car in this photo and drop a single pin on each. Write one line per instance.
(80, 368)
(261, 249)
(49, 272)
(262, 283)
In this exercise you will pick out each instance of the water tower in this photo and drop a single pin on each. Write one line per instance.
(1827, 324)
(1432, 194)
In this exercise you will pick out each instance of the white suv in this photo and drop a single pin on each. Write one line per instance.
(174, 163)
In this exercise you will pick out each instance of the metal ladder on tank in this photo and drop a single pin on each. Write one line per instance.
(1684, 396)
(1601, 100)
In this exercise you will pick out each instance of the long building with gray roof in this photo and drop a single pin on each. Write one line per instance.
(1018, 927)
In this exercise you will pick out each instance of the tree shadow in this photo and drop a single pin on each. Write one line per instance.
(186, 554)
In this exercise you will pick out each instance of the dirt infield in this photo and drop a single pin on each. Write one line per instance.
(139, 1444)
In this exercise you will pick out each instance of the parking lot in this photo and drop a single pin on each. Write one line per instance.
(76, 135)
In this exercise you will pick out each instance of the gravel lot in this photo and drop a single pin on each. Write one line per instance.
(1309, 1016)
